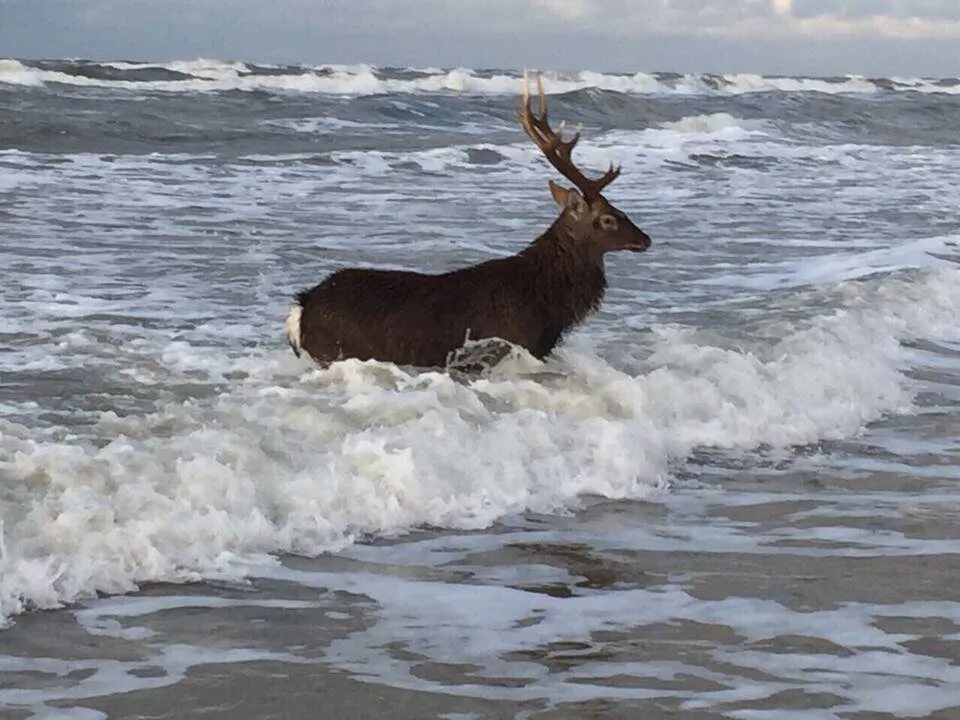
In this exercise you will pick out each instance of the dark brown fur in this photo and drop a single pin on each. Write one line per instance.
(530, 299)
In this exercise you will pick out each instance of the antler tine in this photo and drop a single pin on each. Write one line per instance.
(543, 99)
(612, 173)
(527, 119)
(569, 145)
(555, 149)
(526, 91)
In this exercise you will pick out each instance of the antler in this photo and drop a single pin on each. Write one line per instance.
(555, 148)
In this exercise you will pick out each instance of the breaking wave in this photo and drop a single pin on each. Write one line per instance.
(213, 75)
(295, 459)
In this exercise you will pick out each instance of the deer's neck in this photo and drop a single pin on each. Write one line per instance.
(569, 275)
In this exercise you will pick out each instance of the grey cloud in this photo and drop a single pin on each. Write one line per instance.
(855, 9)
(682, 35)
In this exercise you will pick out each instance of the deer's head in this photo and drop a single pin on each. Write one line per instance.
(597, 222)
(586, 215)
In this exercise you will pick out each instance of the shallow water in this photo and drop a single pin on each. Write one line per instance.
(731, 493)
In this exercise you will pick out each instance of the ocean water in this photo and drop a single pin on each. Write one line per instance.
(732, 492)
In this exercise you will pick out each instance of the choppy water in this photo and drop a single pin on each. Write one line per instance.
(733, 490)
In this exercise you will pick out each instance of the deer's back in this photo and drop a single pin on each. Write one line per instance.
(417, 319)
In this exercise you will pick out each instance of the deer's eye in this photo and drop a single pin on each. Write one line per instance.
(608, 222)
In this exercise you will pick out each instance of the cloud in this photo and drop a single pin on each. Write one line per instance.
(784, 36)
(910, 19)
(565, 9)
(906, 19)
(782, 7)
(916, 19)
(885, 26)
(860, 9)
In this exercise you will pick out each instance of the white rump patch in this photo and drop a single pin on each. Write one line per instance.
(293, 328)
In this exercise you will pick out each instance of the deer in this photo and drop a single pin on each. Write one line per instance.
(530, 299)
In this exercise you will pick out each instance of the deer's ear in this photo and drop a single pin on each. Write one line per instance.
(568, 199)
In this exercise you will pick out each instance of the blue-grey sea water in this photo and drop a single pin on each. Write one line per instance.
(732, 492)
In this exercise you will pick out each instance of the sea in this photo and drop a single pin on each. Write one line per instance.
(732, 492)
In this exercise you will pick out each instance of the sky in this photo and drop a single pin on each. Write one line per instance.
(815, 37)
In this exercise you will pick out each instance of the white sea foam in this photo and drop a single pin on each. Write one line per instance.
(210, 69)
(746, 83)
(670, 138)
(712, 124)
(92, 677)
(14, 72)
(214, 75)
(846, 265)
(300, 459)
(719, 134)
(502, 632)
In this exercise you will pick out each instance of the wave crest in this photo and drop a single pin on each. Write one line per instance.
(307, 462)
(204, 75)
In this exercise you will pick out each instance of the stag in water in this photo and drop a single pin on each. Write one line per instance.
(529, 299)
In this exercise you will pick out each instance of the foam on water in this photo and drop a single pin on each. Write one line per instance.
(214, 75)
(502, 631)
(719, 136)
(305, 460)
(674, 140)
(102, 676)
(557, 650)
(746, 83)
(715, 123)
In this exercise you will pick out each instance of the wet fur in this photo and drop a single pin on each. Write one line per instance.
(530, 299)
